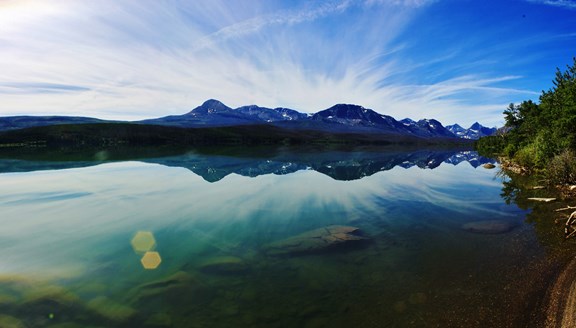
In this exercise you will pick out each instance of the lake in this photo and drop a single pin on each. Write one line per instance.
(328, 238)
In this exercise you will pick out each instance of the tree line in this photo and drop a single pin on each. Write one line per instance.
(541, 137)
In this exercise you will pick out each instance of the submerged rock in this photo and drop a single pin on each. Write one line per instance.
(7, 321)
(161, 319)
(223, 265)
(489, 166)
(178, 278)
(171, 289)
(70, 325)
(315, 240)
(50, 291)
(6, 300)
(488, 227)
(45, 302)
(175, 281)
(111, 309)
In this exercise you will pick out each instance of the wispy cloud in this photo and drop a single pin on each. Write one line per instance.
(568, 4)
(285, 17)
(132, 59)
(406, 3)
(33, 88)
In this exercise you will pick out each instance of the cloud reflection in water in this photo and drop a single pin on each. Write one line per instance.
(69, 235)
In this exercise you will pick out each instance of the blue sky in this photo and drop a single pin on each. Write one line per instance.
(454, 60)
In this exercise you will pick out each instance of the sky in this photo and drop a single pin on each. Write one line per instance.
(458, 61)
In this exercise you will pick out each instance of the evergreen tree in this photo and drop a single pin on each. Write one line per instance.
(539, 133)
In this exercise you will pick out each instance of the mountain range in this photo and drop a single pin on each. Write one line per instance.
(340, 118)
(474, 132)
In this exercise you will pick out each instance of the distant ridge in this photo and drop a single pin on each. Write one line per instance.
(474, 132)
(22, 122)
(340, 118)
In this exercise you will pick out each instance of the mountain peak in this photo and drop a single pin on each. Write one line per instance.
(429, 121)
(343, 111)
(474, 132)
(210, 106)
(455, 126)
(476, 126)
(349, 108)
(213, 103)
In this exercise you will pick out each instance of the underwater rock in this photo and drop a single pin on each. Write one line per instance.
(7, 321)
(223, 265)
(50, 299)
(70, 325)
(225, 308)
(110, 309)
(316, 240)
(488, 166)
(46, 305)
(488, 227)
(161, 319)
(171, 288)
(177, 278)
(6, 300)
(54, 292)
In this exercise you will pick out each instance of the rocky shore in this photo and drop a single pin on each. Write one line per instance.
(560, 299)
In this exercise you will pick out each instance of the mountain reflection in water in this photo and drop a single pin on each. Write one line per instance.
(141, 241)
(339, 165)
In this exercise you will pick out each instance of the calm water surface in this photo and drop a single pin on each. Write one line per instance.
(76, 240)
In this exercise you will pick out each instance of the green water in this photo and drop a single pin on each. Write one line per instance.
(69, 260)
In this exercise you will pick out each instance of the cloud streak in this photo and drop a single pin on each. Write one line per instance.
(567, 4)
(258, 23)
(134, 60)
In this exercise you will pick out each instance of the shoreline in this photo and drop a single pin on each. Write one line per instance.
(560, 299)
(558, 305)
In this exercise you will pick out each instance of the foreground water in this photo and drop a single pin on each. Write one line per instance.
(201, 241)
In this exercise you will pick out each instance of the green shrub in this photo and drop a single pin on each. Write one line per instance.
(509, 150)
(562, 168)
(526, 156)
(544, 148)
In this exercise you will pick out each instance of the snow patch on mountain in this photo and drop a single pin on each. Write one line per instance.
(474, 132)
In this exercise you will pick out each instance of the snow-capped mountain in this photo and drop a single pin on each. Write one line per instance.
(271, 114)
(427, 128)
(358, 116)
(457, 130)
(355, 115)
(214, 113)
(474, 132)
(481, 131)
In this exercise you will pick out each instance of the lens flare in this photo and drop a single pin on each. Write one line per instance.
(151, 260)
